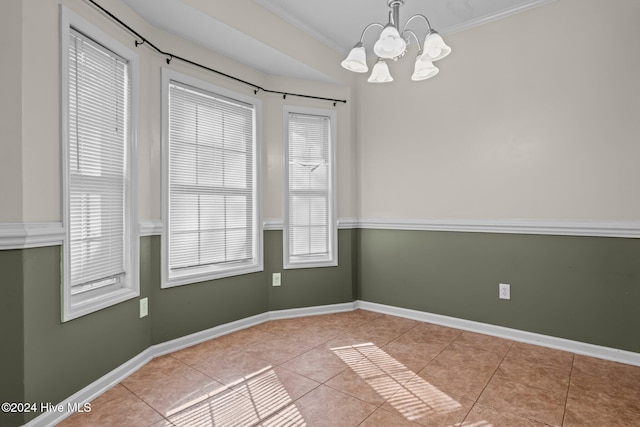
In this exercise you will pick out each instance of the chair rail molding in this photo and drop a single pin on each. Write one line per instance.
(595, 228)
(30, 235)
(40, 234)
(150, 227)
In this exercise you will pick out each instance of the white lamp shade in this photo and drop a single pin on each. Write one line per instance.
(434, 48)
(390, 44)
(423, 70)
(380, 73)
(357, 60)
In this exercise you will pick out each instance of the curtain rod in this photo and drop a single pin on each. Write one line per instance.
(170, 56)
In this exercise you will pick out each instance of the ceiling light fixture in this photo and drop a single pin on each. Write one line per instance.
(392, 44)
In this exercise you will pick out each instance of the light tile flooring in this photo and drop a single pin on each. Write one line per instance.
(367, 369)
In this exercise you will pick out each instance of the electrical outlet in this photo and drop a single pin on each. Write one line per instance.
(504, 291)
(144, 307)
(276, 280)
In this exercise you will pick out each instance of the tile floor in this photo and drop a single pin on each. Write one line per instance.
(368, 369)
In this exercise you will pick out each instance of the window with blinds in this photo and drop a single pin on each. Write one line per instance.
(97, 151)
(211, 186)
(309, 230)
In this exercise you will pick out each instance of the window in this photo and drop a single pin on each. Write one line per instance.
(98, 149)
(310, 232)
(210, 182)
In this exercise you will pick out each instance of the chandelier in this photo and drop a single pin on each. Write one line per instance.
(392, 44)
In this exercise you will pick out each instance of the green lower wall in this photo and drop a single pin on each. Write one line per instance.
(580, 288)
(45, 360)
(11, 331)
(62, 358)
(307, 287)
(183, 310)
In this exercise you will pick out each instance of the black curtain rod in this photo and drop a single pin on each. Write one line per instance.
(170, 56)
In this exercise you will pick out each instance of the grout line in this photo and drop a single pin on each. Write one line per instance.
(566, 400)
(487, 384)
(142, 400)
(345, 332)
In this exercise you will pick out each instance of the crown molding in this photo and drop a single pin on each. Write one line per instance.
(493, 17)
(343, 50)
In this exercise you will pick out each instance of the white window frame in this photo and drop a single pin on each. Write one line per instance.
(172, 278)
(331, 259)
(89, 302)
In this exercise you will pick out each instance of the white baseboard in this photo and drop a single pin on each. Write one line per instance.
(622, 356)
(114, 377)
(208, 334)
(311, 311)
(93, 390)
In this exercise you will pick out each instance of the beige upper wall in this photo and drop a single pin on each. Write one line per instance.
(34, 151)
(532, 117)
(522, 122)
(11, 111)
(273, 107)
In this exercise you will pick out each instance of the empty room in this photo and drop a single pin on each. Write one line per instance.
(320, 213)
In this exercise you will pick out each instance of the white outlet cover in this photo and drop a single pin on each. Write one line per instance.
(144, 307)
(276, 279)
(504, 291)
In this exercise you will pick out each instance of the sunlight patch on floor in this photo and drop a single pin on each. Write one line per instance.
(258, 397)
(409, 394)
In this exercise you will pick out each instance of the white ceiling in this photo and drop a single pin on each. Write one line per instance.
(336, 23)
(339, 23)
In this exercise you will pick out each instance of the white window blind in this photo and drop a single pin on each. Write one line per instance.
(309, 227)
(98, 113)
(212, 224)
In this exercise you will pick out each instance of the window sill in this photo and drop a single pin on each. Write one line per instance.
(91, 305)
(290, 265)
(191, 278)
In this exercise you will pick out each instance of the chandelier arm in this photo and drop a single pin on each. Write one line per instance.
(415, 37)
(406, 24)
(375, 24)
